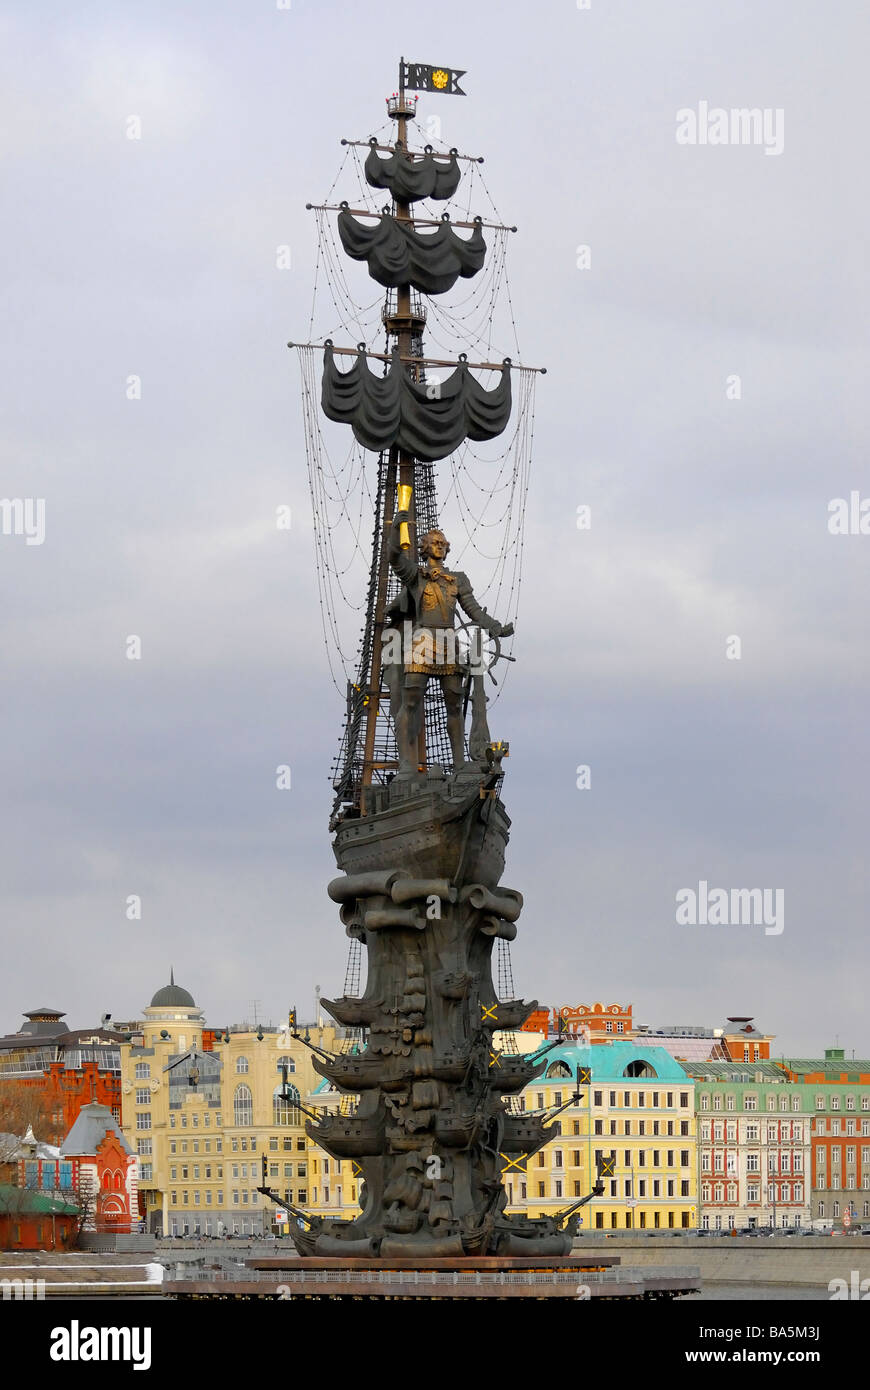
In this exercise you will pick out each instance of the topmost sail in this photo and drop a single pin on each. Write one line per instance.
(410, 180)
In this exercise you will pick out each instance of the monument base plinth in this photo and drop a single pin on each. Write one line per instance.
(575, 1277)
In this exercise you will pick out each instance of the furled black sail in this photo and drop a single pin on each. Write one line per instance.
(397, 254)
(429, 419)
(409, 180)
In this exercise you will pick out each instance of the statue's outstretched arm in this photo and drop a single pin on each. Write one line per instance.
(479, 615)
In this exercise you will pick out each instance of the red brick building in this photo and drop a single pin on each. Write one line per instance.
(585, 1023)
(743, 1042)
(106, 1168)
(48, 1072)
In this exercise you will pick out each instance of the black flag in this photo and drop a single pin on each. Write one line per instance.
(419, 77)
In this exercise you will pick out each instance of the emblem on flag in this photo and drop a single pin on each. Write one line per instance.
(420, 77)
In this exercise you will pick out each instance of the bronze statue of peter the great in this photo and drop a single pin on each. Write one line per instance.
(428, 600)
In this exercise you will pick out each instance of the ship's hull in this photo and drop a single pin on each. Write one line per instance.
(429, 1129)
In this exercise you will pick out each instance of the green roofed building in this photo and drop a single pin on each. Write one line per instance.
(838, 1091)
(754, 1127)
(32, 1220)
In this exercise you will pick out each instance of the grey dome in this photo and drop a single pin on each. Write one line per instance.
(171, 995)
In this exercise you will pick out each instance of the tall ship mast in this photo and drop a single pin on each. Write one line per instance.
(426, 1090)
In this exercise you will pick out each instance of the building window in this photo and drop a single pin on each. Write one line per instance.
(142, 1071)
(242, 1067)
(243, 1103)
(287, 1062)
(143, 1095)
(285, 1106)
(143, 1119)
(143, 1146)
(750, 1102)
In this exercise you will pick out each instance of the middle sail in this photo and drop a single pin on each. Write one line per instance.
(397, 254)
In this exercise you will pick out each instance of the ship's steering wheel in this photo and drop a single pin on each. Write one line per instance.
(478, 650)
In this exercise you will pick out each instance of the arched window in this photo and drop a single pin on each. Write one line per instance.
(242, 1066)
(289, 1063)
(285, 1106)
(639, 1068)
(558, 1069)
(243, 1106)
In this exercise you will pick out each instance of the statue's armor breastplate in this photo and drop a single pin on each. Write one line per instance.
(438, 600)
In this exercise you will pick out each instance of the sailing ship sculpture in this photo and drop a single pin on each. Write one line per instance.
(420, 830)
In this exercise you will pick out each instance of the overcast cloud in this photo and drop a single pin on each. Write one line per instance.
(709, 516)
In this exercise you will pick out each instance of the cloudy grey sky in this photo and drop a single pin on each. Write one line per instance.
(156, 257)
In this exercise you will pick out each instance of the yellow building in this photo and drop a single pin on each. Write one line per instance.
(637, 1111)
(203, 1107)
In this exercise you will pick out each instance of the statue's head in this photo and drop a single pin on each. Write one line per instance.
(434, 545)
